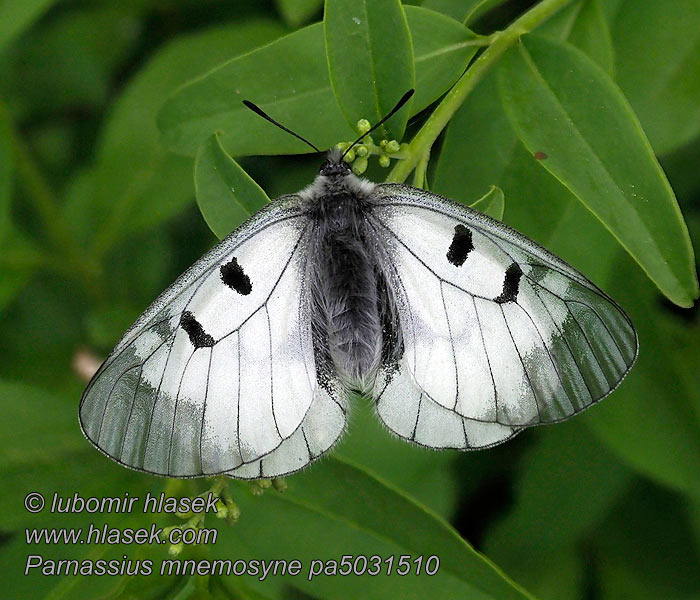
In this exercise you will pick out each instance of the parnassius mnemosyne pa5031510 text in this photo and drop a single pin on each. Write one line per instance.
(463, 331)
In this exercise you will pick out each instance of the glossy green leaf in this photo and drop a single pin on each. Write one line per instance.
(583, 25)
(370, 60)
(226, 194)
(481, 149)
(563, 106)
(135, 182)
(313, 519)
(657, 46)
(464, 11)
(298, 12)
(5, 171)
(493, 203)
(442, 50)
(17, 16)
(288, 79)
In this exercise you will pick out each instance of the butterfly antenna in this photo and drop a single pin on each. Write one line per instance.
(259, 111)
(405, 98)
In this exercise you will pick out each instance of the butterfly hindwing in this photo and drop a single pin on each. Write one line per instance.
(498, 333)
(218, 375)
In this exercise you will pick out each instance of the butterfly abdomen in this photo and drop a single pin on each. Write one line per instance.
(344, 289)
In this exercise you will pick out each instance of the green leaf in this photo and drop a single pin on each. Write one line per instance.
(481, 149)
(646, 548)
(288, 78)
(583, 24)
(493, 203)
(433, 478)
(33, 414)
(17, 16)
(466, 167)
(298, 12)
(610, 8)
(226, 194)
(464, 11)
(5, 171)
(370, 60)
(19, 260)
(442, 50)
(314, 519)
(577, 479)
(565, 107)
(135, 182)
(67, 62)
(657, 47)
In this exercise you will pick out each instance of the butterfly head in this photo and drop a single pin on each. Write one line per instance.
(334, 165)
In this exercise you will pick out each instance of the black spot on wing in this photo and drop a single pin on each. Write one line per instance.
(194, 329)
(511, 283)
(233, 276)
(461, 246)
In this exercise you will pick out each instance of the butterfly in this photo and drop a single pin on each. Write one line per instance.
(462, 331)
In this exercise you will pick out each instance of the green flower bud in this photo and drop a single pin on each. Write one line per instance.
(233, 511)
(221, 509)
(350, 156)
(361, 150)
(342, 146)
(175, 549)
(383, 143)
(363, 126)
(279, 484)
(392, 146)
(384, 161)
(360, 165)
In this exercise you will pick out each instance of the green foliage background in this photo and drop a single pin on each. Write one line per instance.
(108, 166)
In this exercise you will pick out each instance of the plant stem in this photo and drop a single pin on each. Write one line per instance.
(438, 120)
(419, 175)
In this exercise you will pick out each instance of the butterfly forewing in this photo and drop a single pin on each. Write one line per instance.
(218, 375)
(498, 333)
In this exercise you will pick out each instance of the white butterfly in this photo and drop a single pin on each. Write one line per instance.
(462, 330)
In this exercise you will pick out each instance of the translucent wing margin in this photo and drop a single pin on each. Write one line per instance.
(499, 334)
(218, 375)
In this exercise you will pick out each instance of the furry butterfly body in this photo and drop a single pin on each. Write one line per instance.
(463, 331)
